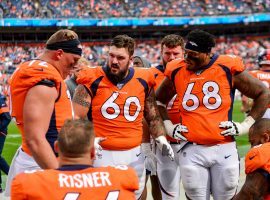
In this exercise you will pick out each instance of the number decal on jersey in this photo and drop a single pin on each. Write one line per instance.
(171, 102)
(127, 114)
(190, 97)
(40, 63)
(72, 196)
(209, 89)
(211, 94)
(113, 195)
(110, 104)
(121, 167)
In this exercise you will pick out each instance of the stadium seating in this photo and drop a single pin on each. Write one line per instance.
(128, 8)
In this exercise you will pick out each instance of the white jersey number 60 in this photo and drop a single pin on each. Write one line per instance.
(116, 108)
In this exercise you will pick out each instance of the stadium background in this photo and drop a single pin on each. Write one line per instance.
(242, 27)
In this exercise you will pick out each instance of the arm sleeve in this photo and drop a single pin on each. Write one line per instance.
(237, 65)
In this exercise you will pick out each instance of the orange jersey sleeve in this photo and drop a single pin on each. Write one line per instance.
(258, 157)
(103, 183)
(206, 96)
(117, 110)
(28, 75)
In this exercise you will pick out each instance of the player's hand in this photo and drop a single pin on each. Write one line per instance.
(236, 128)
(165, 147)
(150, 158)
(98, 148)
(175, 130)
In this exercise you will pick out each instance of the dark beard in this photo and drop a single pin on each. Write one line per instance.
(114, 78)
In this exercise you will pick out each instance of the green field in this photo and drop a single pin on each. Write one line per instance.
(13, 140)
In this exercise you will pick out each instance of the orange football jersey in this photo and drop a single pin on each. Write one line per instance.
(117, 109)
(206, 97)
(26, 76)
(173, 105)
(78, 182)
(258, 157)
(264, 76)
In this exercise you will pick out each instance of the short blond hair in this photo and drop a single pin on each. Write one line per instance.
(76, 137)
(62, 35)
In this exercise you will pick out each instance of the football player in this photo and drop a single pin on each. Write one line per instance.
(76, 178)
(168, 171)
(257, 163)
(205, 84)
(40, 102)
(263, 74)
(4, 122)
(117, 97)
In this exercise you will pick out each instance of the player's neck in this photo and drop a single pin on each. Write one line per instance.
(47, 58)
(74, 161)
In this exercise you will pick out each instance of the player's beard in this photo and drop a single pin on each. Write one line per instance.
(194, 62)
(116, 78)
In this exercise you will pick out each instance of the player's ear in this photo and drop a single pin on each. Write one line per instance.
(59, 53)
(56, 147)
(265, 138)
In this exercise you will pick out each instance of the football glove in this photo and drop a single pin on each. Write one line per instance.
(150, 158)
(98, 148)
(175, 130)
(236, 128)
(164, 146)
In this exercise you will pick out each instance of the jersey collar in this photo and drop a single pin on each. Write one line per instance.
(73, 167)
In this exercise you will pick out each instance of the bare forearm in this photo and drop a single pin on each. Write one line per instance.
(43, 154)
(163, 113)
(255, 187)
(146, 134)
(81, 102)
(260, 104)
(153, 118)
(253, 88)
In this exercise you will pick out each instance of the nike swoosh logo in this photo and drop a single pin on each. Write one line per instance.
(227, 156)
(138, 154)
(251, 157)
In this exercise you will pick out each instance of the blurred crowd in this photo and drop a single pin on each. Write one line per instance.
(127, 8)
(11, 56)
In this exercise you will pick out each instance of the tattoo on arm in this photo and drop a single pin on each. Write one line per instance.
(82, 96)
(152, 116)
(165, 91)
(253, 88)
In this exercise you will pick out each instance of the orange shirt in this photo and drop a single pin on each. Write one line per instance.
(206, 97)
(173, 105)
(117, 110)
(76, 182)
(26, 76)
(258, 157)
(263, 76)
